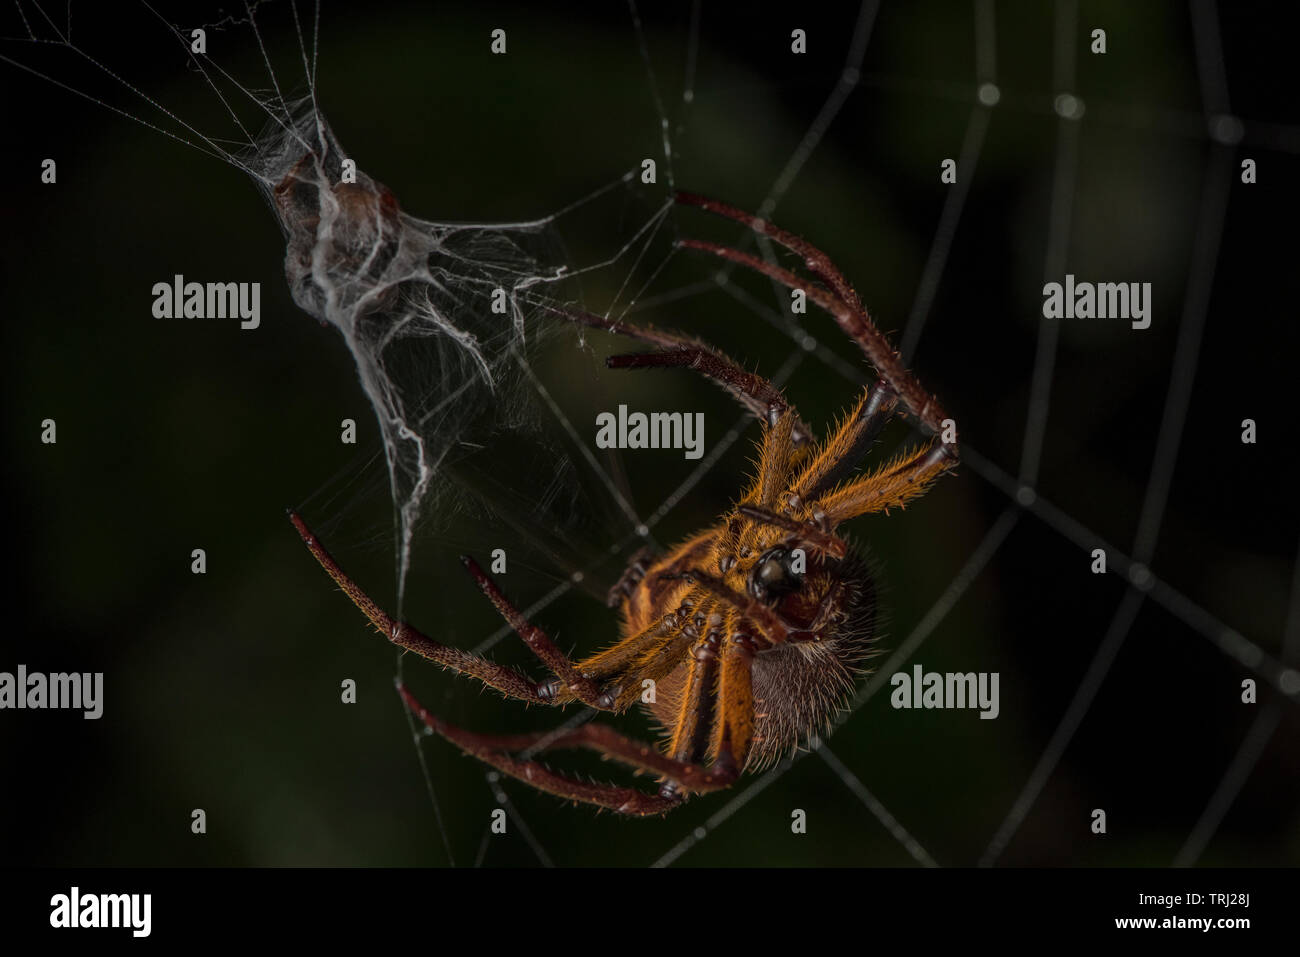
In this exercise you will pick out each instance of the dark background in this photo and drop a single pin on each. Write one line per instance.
(222, 691)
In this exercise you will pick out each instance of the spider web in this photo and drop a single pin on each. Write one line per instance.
(1224, 132)
(639, 264)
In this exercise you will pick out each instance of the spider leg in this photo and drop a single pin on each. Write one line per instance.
(600, 738)
(649, 654)
(835, 458)
(841, 302)
(652, 655)
(541, 645)
(775, 628)
(813, 258)
(857, 325)
(892, 486)
(660, 660)
(508, 681)
(752, 391)
(496, 750)
(774, 461)
(716, 718)
(632, 576)
(801, 533)
(733, 732)
(690, 738)
(616, 659)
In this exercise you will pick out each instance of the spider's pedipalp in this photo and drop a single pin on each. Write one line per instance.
(769, 622)
(801, 533)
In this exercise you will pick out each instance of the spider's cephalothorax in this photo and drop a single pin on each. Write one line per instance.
(746, 638)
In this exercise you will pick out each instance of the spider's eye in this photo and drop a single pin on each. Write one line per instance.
(771, 576)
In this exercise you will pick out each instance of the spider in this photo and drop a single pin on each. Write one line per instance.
(752, 632)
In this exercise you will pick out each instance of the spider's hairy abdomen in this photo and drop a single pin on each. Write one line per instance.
(798, 686)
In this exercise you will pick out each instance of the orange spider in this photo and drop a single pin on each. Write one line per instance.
(752, 631)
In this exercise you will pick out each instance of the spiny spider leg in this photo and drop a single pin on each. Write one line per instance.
(857, 326)
(495, 751)
(842, 304)
(611, 663)
(541, 645)
(690, 740)
(774, 627)
(816, 260)
(632, 575)
(801, 533)
(733, 732)
(752, 391)
(841, 454)
(508, 681)
(890, 487)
